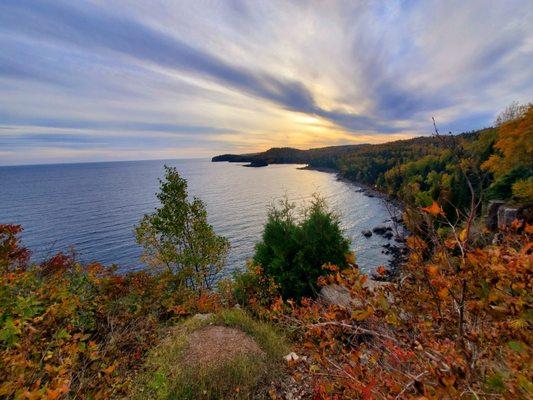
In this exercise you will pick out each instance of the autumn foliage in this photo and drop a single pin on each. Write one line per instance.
(457, 325)
(454, 324)
(79, 331)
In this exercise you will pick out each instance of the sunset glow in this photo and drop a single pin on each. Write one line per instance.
(94, 80)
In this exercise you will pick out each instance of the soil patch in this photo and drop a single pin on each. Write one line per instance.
(214, 345)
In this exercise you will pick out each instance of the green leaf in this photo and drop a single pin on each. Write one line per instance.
(516, 346)
(10, 332)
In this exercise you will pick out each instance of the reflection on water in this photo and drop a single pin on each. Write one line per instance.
(94, 206)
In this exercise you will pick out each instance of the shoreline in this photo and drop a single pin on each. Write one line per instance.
(396, 251)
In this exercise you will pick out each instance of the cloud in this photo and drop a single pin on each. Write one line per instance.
(244, 71)
(111, 125)
(93, 29)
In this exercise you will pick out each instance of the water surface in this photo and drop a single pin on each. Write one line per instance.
(95, 206)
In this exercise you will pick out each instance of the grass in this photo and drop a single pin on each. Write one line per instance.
(167, 377)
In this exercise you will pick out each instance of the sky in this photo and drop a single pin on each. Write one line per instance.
(129, 79)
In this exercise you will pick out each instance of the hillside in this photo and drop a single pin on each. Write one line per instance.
(328, 156)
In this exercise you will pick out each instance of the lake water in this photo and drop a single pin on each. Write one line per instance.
(95, 206)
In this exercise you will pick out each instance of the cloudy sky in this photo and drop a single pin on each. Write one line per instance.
(131, 79)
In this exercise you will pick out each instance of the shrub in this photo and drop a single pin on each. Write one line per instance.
(177, 237)
(293, 252)
(78, 331)
(252, 289)
(457, 324)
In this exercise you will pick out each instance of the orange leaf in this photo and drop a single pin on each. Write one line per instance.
(434, 209)
(443, 293)
(381, 270)
(109, 369)
(53, 394)
(433, 270)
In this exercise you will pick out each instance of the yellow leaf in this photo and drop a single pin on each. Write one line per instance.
(518, 323)
(350, 258)
(463, 235)
(109, 369)
(360, 315)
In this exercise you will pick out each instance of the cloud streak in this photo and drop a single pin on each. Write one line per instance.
(361, 69)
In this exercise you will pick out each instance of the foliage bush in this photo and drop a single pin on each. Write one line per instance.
(512, 162)
(457, 325)
(80, 331)
(252, 289)
(293, 251)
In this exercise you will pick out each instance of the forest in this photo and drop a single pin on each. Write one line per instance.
(426, 169)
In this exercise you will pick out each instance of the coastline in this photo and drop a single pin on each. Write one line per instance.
(397, 251)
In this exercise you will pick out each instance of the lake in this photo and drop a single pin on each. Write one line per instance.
(95, 206)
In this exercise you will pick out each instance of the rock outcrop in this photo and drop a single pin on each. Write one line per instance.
(500, 215)
(491, 220)
(338, 295)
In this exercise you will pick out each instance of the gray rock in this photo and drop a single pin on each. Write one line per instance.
(367, 233)
(380, 229)
(491, 220)
(340, 296)
(506, 216)
(372, 284)
(336, 295)
(202, 317)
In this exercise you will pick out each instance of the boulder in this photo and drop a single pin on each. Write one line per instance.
(380, 229)
(367, 233)
(388, 235)
(338, 295)
(335, 295)
(506, 216)
(491, 220)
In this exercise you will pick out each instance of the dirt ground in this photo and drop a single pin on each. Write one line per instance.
(215, 344)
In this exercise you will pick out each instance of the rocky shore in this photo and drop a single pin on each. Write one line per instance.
(392, 229)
